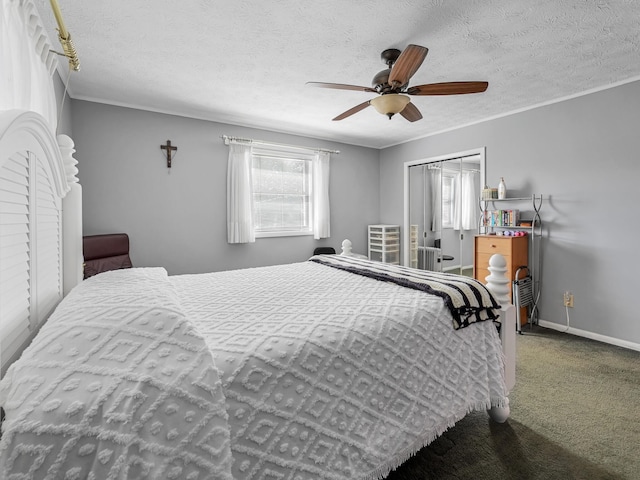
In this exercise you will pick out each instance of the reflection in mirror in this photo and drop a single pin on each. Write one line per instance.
(441, 211)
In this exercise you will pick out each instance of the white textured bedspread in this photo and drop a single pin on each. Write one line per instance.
(331, 375)
(116, 385)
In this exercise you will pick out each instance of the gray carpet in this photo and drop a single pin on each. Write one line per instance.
(575, 414)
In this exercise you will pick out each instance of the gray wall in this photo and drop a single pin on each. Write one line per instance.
(177, 218)
(583, 155)
(64, 122)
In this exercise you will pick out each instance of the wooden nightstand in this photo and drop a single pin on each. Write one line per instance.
(515, 251)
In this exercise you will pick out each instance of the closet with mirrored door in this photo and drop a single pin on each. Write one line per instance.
(441, 211)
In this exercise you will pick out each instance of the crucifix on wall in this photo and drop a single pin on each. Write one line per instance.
(169, 148)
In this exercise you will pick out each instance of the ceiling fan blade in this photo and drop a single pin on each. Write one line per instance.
(352, 110)
(411, 112)
(448, 88)
(407, 64)
(341, 86)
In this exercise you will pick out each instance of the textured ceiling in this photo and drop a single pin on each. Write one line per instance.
(246, 62)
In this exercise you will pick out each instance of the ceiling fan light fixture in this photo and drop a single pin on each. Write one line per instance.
(390, 104)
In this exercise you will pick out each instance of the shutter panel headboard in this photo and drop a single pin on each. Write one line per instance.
(15, 265)
(32, 184)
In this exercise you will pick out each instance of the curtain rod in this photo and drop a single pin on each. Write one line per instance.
(438, 167)
(227, 139)
(65, 38)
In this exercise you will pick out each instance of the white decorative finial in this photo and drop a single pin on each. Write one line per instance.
(66, 149)
(346, 247)
(497, 281)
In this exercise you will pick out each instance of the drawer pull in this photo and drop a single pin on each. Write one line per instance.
(493, 246)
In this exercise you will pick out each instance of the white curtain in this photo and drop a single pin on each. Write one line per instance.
(321, 216)
(464, 213)
(25, 78)
(239, 195)
(435, 184)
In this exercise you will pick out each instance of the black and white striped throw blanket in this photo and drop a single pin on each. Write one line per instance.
(468, 300)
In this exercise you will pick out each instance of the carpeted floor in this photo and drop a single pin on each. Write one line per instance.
(575, 414)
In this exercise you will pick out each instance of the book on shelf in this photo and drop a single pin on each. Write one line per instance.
(501, 218)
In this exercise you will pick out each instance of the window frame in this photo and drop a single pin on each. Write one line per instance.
(283, 154)
(451, 199)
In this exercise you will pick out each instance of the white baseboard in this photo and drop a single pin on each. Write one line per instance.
(593, 336)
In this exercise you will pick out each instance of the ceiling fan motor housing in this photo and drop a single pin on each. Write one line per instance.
(381, 79)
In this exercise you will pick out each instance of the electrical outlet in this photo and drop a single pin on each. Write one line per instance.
(568, 299)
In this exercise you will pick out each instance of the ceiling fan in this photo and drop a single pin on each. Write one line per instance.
(392, 85)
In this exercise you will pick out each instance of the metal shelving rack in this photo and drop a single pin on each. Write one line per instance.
(535, 235)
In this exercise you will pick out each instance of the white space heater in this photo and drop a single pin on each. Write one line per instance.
(429, 258)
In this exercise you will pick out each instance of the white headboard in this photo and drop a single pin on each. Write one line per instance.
(40, 251)
(32, 185)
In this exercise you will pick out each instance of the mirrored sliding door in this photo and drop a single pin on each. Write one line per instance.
(442, 211)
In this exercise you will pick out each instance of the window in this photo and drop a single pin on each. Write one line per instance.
(282, 194)
(276, 190)
(448, 198)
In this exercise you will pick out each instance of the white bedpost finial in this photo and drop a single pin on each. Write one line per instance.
(346, 247)
(71, 218)
(497, 281)
(66, 149)
(346, 250)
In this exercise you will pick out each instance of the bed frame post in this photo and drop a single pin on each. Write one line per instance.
(508, 336)
(499, 285)
(72, 256)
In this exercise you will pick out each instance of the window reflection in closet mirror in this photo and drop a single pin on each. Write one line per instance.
(441, 211)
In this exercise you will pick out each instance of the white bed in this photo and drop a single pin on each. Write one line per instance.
(296, 372)
(300, 371)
